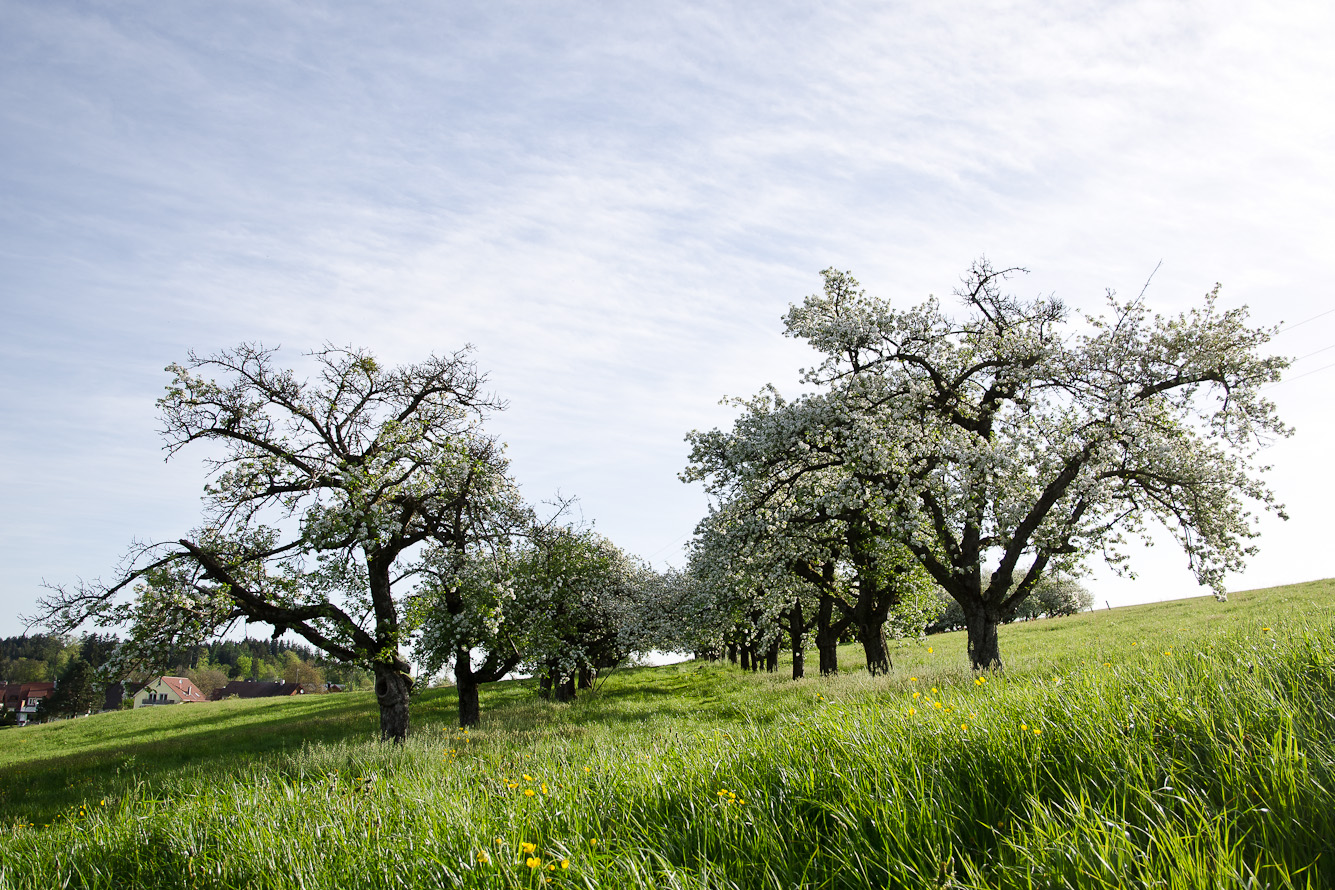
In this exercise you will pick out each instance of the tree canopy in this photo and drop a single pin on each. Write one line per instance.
(325, 497)
(1013, 439)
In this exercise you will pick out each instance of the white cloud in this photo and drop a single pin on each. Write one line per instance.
(615, 205)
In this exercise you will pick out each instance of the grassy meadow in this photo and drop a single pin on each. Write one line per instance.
(1178, 745)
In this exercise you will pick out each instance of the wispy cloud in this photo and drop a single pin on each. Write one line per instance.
(615, 205)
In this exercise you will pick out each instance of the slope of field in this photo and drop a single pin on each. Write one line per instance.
(1183, 744)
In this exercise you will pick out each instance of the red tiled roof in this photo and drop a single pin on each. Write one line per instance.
(14, 695)
(184, 688)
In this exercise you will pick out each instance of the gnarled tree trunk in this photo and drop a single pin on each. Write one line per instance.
(872, 637)
(797, 634)
(828, 632)
(392, 685)
(981, 624)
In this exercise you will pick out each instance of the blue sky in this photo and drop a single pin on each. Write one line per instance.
(615, 204)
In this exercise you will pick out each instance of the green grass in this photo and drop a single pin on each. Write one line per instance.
(1182, 744)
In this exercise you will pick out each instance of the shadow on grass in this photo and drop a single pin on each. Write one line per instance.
(224, 742)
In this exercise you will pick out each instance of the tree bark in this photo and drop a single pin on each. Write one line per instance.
(392, 685)
(586, 678)
(984, 650)
(872, 637)
(545, 683)
(466, 684)
(827, 636)
(732, 653)
(744, 652)
(797, 633)
(772, 656)
(564, 689)
(869, 613)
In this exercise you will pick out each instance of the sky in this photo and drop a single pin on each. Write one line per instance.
(615, 204)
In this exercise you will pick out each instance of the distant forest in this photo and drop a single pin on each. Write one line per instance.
(81, 662)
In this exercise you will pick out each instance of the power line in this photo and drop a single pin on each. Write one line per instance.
(1317, 352)
(1307, 374)
(1286, 328)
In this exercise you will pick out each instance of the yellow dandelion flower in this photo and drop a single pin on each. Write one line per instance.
(593, 842)
(528, 848)
(484, 857)
(917, 694)
(1037, 731)
(1024, 726)
(533, 862)
(500, 842)
(544, 787)
(587, 770)
(930, 650)
(913, 679)
(529, 792)
(964, 726)
(565, 863)
(912, 711)
(511, 784)
(527, 777)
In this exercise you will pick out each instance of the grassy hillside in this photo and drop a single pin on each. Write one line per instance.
(1187, 744)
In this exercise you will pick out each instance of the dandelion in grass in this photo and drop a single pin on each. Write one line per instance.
(1037, 731)
(930, 650)
(529, 792)
(544, 787)
(528, 848)
(533, 862)
(593, 842)
(484, 858)
(527, 777)
(964, 726)
(500, 842)
(565, 863)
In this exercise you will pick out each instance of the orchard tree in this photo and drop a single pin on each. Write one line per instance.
(579, 593)
(1006, 442)
(779, 473)
(470, 622)
(323, 496)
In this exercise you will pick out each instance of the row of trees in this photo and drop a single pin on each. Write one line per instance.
(979, 454)
(366, 507)
(361, 510)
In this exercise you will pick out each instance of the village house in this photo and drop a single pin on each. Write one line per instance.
(23, 698)
(167, 691)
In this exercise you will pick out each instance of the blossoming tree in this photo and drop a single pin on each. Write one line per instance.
(1005, 443)
(326, 497)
